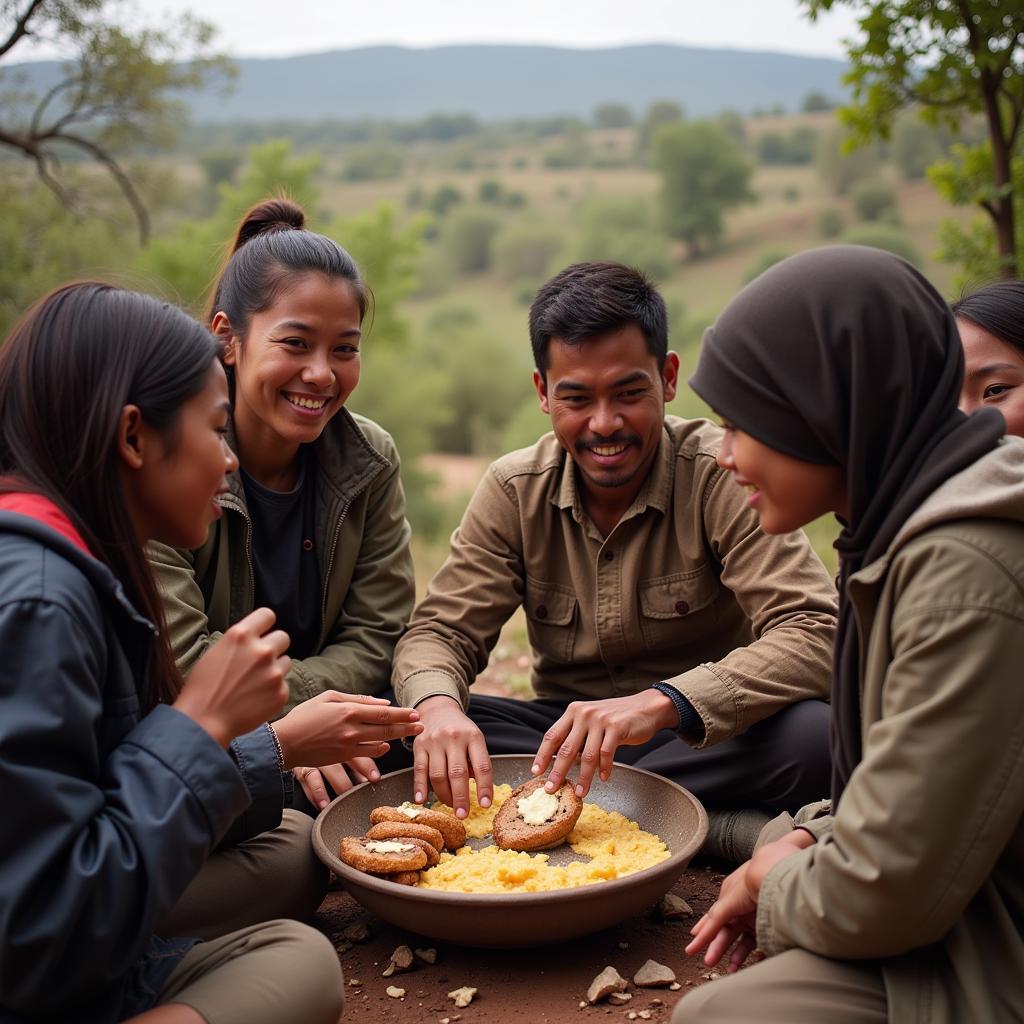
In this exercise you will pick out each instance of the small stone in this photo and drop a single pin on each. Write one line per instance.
(583, 1004)
(675, 986)
(656, 1002)
(623, 945)
(645, 1014)
(395, 993)
(343, 947)
(620, 998)
(462, 996)
(631, 1015)
(428, 956)
(357, 932)
(402, 958)
(354, 981)
(388, 971)
(444, 1020)
(608, 981)
(672, 907)
(654, 975)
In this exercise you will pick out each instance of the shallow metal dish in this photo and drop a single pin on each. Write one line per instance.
(521, 919)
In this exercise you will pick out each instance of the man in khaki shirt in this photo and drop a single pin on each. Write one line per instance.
(667, 630)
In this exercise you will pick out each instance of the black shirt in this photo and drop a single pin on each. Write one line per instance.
(284, 555)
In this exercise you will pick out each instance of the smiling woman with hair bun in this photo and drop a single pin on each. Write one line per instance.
(314, 524)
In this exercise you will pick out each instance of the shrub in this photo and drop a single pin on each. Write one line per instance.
(467, 240)
(882, 236)
(873, 199)
(372, 162)
(444, 197)
(831, 222)
(526, 250)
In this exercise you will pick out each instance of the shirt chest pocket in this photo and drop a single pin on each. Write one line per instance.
(551, 618)
(675, 609)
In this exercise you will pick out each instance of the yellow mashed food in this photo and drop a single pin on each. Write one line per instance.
(615, 845)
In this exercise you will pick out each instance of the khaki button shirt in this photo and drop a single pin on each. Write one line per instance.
(685, 589)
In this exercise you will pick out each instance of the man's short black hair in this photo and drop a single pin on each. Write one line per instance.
(588, 299)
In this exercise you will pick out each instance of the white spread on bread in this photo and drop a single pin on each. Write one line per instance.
(387, 846)
(538, 808)
(410, 810)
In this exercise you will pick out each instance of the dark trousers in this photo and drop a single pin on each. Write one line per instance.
(780, 764)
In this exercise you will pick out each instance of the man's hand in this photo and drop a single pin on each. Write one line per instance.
(595, 729)
(448, 751)
(733, 916)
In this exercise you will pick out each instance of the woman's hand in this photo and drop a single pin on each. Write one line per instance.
(333, 727)
(239, 683)
(732, 919)
(342, 777)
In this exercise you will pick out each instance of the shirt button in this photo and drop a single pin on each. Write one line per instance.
(307, 545)
(542, 611)
(682, 607)
(608, 556)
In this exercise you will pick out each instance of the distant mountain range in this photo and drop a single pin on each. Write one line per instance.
(501, 82)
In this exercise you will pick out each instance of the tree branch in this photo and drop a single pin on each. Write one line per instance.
(20, 27)
(122, 179)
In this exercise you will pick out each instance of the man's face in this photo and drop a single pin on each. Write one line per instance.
(606, 398)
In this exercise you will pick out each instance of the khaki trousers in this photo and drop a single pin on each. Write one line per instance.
(254, 967)
(795, 987)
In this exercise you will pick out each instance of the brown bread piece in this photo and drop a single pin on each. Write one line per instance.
(400, 877)
(512, 833)
(448, 825)
(353, 852)
(400, 829)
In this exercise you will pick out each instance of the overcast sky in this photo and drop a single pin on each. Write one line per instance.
(276, 28)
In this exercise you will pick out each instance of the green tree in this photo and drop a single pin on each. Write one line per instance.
(816, 101)
(952, 59)
(115, 91)
(624, 230)
(704, 172)
(874, 199)
(467, 240)
(883, 236)
(658, 113)
(613, 115)
(838, 166)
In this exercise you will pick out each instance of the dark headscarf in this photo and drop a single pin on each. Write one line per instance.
(846, 356)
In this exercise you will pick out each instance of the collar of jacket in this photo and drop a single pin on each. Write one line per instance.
(346, 463)
(103, 581)
(656, 491)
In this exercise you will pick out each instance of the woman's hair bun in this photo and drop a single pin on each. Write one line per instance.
(278, 214)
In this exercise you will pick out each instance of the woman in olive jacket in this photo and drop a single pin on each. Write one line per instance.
(314, 522)
(903, 901)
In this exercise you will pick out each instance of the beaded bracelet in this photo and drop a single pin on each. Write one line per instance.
(277, 747)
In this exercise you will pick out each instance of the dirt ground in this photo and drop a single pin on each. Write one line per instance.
(538, 985)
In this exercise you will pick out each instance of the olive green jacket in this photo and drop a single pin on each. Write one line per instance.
(922, 866)
(686, 588)
(366, 571)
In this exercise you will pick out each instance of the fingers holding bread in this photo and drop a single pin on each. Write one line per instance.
(533, 819)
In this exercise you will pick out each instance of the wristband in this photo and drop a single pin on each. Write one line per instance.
(277, 747)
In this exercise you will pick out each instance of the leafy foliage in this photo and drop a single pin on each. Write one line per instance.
(116, 90)
(704, 172)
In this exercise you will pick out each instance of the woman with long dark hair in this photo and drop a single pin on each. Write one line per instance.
(838, 373)
(991, 324)
(314, 523)
(119, 778)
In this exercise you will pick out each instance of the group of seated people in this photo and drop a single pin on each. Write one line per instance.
(207, 628)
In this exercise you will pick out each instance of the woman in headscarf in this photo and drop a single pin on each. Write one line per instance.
(837, 373)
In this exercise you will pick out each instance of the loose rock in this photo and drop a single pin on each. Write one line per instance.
(623, 945)
(395, 993)
(354, 981)
(608, 981)
(388, 971)
(463, 996)
(357, 932)
(428, 956)
(620, 998)
(675, 986)
(645, 1015)
(654, 975)
(402, 958)
(672, 907)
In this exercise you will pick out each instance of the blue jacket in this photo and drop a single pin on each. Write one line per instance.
(105, 815)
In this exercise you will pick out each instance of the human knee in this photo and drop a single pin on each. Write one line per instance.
(314, 974)
(799, 748)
